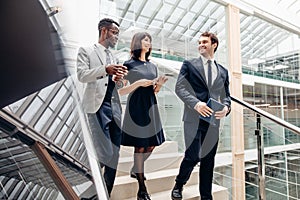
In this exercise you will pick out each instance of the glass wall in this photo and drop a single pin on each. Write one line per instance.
(282, 176)
(270, 65)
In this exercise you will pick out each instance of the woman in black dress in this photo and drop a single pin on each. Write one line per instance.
(142, 126)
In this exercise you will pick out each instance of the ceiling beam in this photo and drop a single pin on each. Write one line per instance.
(249, 10)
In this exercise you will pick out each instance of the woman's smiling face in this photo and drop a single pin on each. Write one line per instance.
(146, 44)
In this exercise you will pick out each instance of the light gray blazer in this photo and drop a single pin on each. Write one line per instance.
(91, 62)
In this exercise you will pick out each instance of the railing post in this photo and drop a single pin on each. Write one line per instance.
(260, 159)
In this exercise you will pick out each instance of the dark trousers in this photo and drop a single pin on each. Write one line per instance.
(110, 124)
(201, 146)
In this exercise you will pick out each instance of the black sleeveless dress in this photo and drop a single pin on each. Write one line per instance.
(142, 124)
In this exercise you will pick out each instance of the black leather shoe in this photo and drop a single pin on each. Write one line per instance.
(133, 174)
(176, 193)
(143, 196)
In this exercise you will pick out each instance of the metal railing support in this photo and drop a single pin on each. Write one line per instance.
(56, 174)
(260, 159)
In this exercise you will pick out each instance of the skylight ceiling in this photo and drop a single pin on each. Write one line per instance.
(178, 22)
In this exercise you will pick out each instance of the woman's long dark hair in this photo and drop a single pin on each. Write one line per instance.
(136, 45)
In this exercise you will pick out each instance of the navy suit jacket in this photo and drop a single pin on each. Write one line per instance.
(191, 86)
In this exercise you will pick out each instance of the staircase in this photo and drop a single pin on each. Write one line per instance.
(160, 170)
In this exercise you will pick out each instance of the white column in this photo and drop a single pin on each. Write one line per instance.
(237, 124)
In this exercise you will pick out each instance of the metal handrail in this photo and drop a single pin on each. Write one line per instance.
(273, 118)
(260, 143)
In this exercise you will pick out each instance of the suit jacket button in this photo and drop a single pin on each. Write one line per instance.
(105, 84)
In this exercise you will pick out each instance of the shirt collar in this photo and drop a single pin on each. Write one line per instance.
(100, 46)
(205, 60)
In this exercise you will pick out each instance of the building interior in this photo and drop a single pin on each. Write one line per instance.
(46, 151)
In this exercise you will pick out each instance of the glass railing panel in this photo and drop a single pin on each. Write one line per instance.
(223, 177)
(273, 133)
(171, 109)
(280, 161)
(291, 138)
(225, 135)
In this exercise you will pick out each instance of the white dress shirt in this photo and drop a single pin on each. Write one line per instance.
(214, 69)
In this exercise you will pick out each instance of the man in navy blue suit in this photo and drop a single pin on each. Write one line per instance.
(200, 79)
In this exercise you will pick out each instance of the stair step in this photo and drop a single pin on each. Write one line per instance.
(166, 147)
(157, 181)
(190, 193)
(161, 169)
(156, 162)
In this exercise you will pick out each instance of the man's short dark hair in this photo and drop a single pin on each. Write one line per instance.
(213, 38)
(106, 23)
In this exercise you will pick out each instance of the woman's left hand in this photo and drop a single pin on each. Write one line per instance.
(161, 80)
(158, 82)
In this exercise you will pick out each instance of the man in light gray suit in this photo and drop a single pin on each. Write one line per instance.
(97, 68)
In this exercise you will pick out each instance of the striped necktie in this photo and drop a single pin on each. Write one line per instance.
(108, 60)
